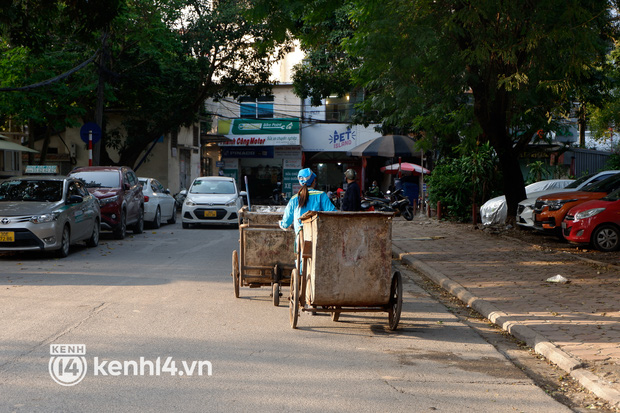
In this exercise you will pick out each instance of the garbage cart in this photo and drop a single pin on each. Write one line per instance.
(344, 264)
(266, 254)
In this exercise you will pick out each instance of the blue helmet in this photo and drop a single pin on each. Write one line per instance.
(306, 177)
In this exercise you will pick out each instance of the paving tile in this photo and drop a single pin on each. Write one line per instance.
(581, 317)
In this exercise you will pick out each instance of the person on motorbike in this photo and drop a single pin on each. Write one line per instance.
(352, 199)
(374, 190)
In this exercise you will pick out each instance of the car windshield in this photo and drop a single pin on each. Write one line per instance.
(210, 186)
(99, 179)
(606, 185)
(614, 196)
(31, 190)
(579, 181)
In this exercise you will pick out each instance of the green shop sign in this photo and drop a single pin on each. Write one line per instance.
(257, 132)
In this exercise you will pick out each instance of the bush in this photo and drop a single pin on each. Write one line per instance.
(459, 182)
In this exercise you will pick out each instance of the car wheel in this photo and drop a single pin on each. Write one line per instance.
(121, 230)
(157, 220)
(65, 243)
(606, 238)
(173, 218)
(138, 228)
(93, 241)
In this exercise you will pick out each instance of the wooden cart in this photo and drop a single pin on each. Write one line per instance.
(346, 262)
(266, 254)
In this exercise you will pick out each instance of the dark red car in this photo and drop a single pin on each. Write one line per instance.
(595, 222)
(120, 197)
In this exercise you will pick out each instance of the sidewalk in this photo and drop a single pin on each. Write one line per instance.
(574, 325)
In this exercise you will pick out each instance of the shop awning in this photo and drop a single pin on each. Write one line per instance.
(12, 146)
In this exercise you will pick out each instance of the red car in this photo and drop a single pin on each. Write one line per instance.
(120, 196)
(595, 222)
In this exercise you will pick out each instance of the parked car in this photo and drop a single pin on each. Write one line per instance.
(595, 222)
(525, 209)
(550, 210)
(210, 200)
(119, 194)
(159, 205)
(47, 213)
(495, 210)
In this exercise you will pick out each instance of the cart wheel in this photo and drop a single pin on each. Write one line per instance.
(336, 314)
(396, 300)
(293, 304)
(235, 272)
(275, 289)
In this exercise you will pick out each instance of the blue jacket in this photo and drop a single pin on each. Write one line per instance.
(317, 201)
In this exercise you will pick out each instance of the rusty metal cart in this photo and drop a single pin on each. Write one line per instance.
(346, 262)
(266, 256)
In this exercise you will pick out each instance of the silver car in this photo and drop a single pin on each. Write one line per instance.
(159, 205)
(47, 213)
(212, 200)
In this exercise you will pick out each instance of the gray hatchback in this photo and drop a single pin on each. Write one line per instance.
(47, 213)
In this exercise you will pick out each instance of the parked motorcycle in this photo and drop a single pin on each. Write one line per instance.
(277, 196)
(180, 198)
(397, 203)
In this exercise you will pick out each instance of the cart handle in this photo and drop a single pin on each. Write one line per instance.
(263, 226)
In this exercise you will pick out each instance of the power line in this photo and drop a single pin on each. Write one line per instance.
(52, 80)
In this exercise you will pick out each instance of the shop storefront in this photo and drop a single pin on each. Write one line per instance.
(325, 147)
(265, 152)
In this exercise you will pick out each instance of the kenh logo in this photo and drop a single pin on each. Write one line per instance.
(67, 363)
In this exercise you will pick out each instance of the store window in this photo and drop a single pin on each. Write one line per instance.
(256, 108)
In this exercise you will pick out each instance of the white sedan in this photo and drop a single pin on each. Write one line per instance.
(212, 200)
(494, 211)
(158, 203)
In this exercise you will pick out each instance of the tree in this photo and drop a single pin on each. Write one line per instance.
(38, 41)
(485, 70)
(167, 60)
(161, 61)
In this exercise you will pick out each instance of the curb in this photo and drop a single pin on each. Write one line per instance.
(539, 343)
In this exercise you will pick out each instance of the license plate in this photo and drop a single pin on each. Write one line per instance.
(210, 214)
(7, 236)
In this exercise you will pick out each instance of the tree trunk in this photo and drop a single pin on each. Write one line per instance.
(491, 114)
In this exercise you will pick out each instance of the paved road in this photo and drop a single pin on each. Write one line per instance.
(168, 293)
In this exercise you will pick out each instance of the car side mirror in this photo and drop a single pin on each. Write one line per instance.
(167, 191)
(243, 193)
(75, 199)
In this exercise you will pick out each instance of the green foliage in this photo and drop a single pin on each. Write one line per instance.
(538, 170)
(604, 119)
(161, 61)
(613, 162)
(462, 181)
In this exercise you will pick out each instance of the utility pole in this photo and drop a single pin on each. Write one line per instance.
(103, 58)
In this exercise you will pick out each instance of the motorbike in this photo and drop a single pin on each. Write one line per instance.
(277, 196)
(396, 202)
(180, 198)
